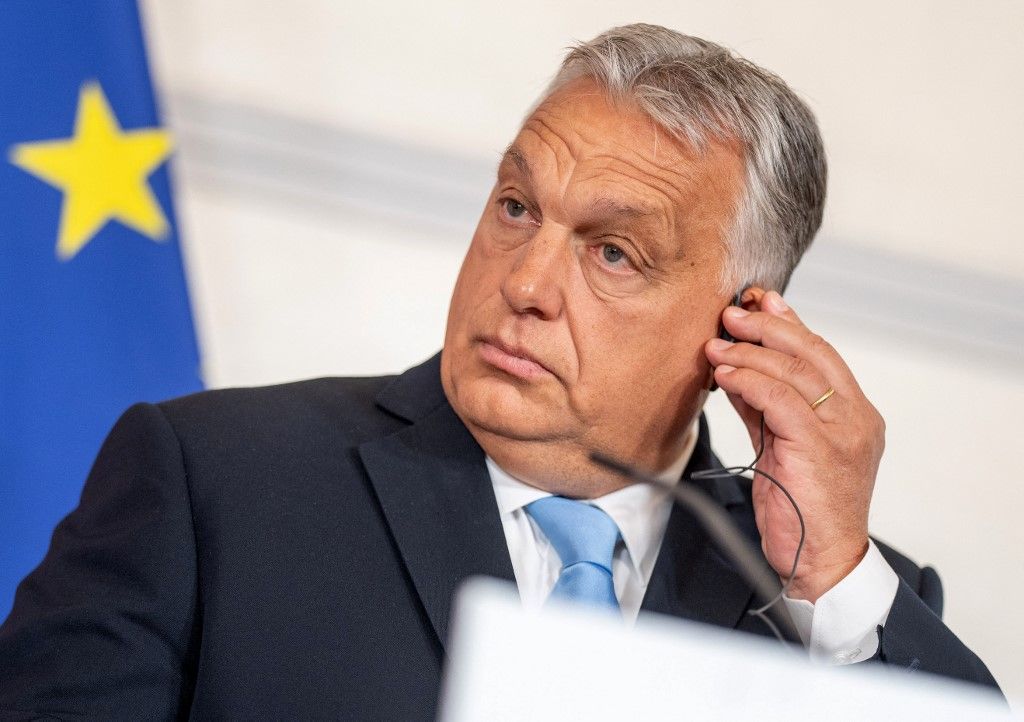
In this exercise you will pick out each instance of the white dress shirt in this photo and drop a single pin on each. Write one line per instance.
(838, 629)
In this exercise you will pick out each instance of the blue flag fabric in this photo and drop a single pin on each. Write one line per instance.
(94, 312)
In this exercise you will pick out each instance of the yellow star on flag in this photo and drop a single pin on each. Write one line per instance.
(103, 172)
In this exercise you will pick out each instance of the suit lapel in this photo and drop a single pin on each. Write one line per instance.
(433, 486)
(691, 579)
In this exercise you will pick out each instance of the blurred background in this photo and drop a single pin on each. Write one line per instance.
(332, 159)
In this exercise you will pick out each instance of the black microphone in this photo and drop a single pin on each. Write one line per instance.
(726, 535)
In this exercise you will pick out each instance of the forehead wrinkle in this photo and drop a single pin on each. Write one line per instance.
(599, 141)
(564, 169)
(670, 179)
(610, 140)
(674, 176)
(549, 140)
(608, 199)
(661, 205)
(605, 143)
(610, 204)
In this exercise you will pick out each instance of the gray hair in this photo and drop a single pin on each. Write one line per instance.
(699, 91)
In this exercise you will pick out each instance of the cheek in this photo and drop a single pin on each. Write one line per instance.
(613, 347)
(476, 267)
(634, 355)
(478, 283)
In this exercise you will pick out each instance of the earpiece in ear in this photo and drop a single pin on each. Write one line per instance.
(725, 335)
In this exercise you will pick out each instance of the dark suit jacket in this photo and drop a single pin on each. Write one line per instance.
(291, 552)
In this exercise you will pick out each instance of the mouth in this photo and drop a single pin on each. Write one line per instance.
(511, 359)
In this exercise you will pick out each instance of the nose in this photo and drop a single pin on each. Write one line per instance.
(535, 283)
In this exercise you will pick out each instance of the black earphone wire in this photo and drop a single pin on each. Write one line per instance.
(751, 467)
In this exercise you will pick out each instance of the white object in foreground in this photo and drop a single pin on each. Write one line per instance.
(565, 663)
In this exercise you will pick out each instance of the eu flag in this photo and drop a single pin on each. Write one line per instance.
(94, 313)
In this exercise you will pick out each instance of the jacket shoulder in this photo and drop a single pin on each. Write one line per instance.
(342, 408)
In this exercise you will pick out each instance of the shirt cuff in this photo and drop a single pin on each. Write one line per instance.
(840, 628)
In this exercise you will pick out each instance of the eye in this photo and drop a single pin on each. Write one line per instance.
(516, 212)
(613, 256)
(514, 208)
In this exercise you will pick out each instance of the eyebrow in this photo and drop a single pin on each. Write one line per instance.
(614, 207)
(512, 153)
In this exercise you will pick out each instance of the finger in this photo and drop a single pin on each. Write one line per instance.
(793, 370)
(793, 339)
(750, 417)
(785, 411)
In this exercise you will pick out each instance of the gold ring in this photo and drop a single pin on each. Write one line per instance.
(823, 398)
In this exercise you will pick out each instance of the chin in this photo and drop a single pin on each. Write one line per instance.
(500, 408)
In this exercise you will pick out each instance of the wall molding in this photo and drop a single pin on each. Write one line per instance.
(316, 167)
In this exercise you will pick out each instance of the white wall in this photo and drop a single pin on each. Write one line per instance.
(334, 156)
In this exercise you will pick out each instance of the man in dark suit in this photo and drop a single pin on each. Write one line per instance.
(292, 551)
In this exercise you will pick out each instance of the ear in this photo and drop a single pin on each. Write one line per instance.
(750, 299)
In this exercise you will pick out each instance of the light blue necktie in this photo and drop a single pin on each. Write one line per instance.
(584, 538)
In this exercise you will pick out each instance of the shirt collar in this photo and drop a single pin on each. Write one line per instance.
(640, 511)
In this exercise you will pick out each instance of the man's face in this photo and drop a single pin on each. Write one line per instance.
(588, 291)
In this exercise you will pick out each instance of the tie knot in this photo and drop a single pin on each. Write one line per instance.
(579, 532)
